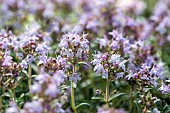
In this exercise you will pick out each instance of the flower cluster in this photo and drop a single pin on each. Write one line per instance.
(44, 55)
(109, 64)
(74, 46)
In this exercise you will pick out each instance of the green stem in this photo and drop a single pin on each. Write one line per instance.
(72, 93)
(130, 98)
(0, 102)
(72, 98)
(1, 93)
(12, 92)
(107, 92)
(29, 79)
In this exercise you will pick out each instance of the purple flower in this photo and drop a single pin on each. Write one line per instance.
(69, 53)
(122, 64)
(7, 60)
(155, 110)
(24, 64)
(58, 108)
(61, 61)
(114, 33)
(79, 53)
(130, 75)
(119, 75)
(5, 43)
(73, 43)
(33, 107)
(103, 42)
(42, 59)
(13, 108)
(165, 88)
(41, 78)
(52, 90)
(114, 59)
(145, 77)
(20, 55)
(43, 48)
(75, 77)
(59, 77)
(36, 88)
(30, 59)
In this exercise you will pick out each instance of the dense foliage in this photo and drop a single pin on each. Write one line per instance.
(84, 56)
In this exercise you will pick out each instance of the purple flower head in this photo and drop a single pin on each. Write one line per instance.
(114, 33)
(58, 108)
(119, 75)
(103, 42)
(13, 108)
(42, 59)
(7, 59)
(75, 77)
(41, 78)
(130, 75)
(99, 68)
(61, 61)
(20, 55)
(33, 107)
(43, 48)
(5, 43)
(30, 58)
(79, 53)
(24, 64)
(115, 58)
(93, 24)
(52, 90)
(165, 88)
(36, 88)
(73, 43)
(59, 77)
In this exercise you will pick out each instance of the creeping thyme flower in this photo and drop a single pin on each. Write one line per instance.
(7, 59)
(75, 77)
(13, 108)
(165, 88)
(33, 107)
(36, 88)
(104, 63)
(52, 64)
(52, 90)
(73, 45)
(43, 48)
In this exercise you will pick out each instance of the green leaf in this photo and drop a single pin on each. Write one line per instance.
(116, 95)
(83, 63)
(98, 98)
(138, 106)
(1, 91)
(82, 104)
(33, 76)
(147, 89)
(166, 109)
(35, 68)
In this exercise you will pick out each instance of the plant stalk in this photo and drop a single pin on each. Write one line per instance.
(12, 92)
(107, 92)
(0, 102)
(29, 79)
(72, 93)
(130, 98)
(1, 93)
(72, 98)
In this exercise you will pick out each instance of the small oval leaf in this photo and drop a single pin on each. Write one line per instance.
(82, 104)
(116, 95)
(83, 63)
(97, 98)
